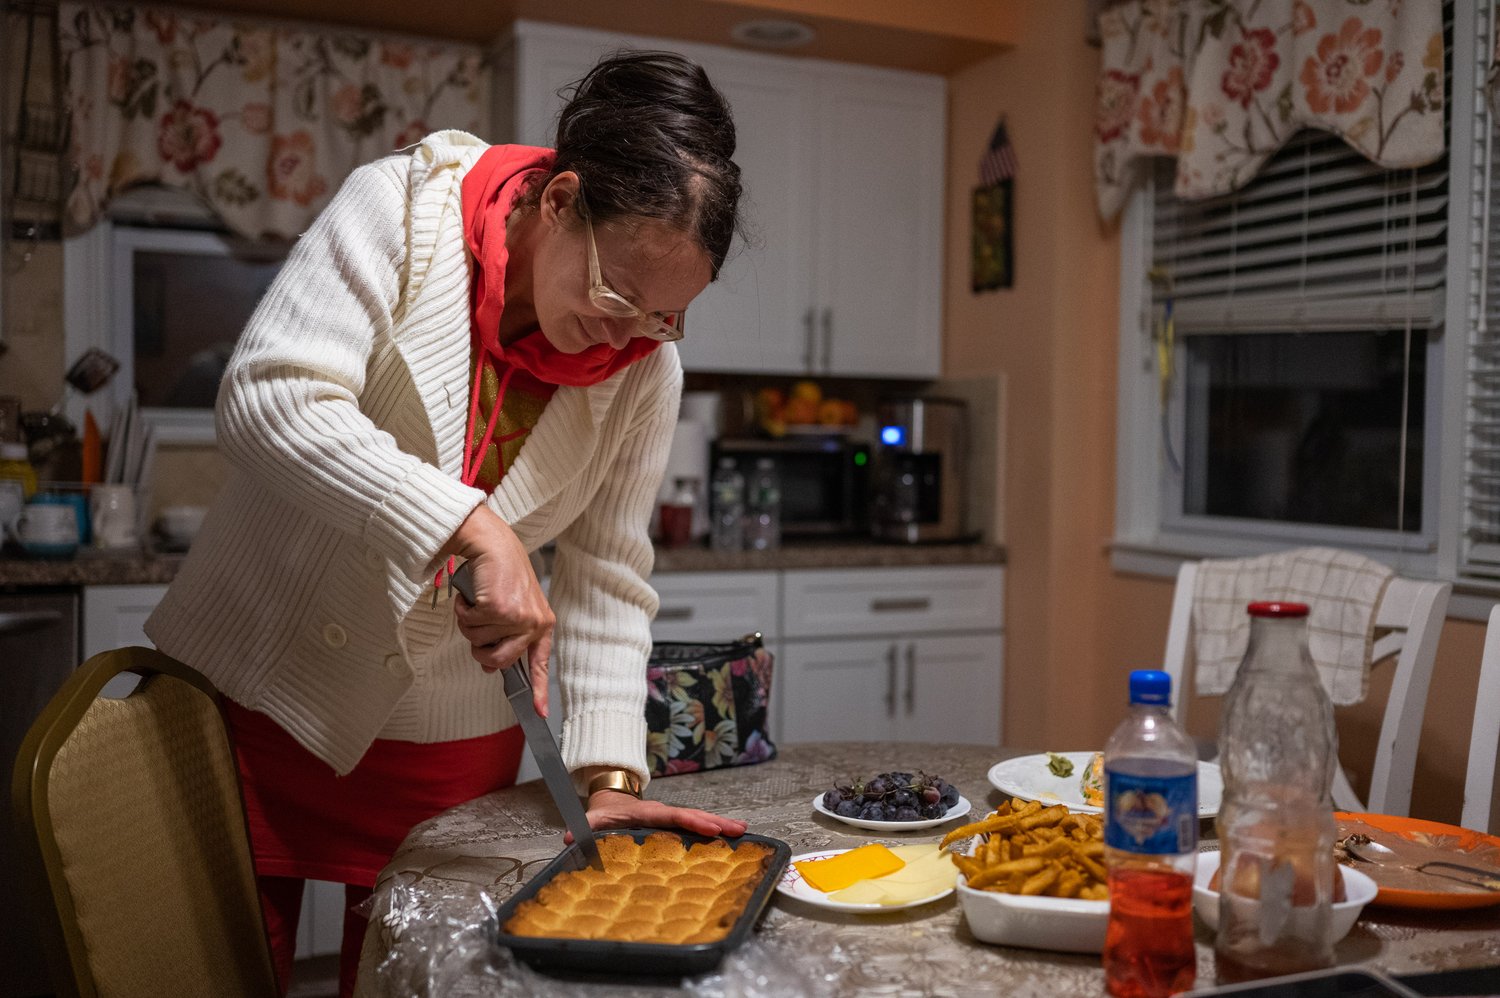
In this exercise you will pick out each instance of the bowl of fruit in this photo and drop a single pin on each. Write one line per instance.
(803, 410)
(1352, 890)
(894, 801)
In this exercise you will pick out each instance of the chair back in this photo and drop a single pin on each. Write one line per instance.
(1484, 738)
(133, 834)
(1409, 620)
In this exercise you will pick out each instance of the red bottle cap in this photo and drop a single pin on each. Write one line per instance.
(1277, 608)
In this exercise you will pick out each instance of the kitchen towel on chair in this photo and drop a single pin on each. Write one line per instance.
(707, 705)
(1341, 589)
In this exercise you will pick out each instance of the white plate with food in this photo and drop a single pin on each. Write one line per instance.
(1030, 778)
(794, 885)
(956, 811)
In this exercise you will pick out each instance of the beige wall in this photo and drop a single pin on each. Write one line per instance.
(1074, 625)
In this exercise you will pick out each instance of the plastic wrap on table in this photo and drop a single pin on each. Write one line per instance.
(431, 951)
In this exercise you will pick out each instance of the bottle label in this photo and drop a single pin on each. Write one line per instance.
(1151, 814)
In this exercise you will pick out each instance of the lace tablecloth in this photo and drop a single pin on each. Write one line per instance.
(426, 938)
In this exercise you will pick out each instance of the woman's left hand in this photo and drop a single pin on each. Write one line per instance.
(613, 809)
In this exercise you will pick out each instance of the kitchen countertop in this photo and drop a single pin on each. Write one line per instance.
(143, 568)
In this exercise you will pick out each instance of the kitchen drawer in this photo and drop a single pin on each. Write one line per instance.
(863, 602)
(715, 606)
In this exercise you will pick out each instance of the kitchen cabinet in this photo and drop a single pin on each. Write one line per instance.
(843, 173)
(913, 654)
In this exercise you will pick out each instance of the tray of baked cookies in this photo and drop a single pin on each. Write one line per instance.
(666, 902)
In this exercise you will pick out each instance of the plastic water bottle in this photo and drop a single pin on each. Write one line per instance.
(1150, 845)
(727, 532)
(1278, 748)
(763, 522)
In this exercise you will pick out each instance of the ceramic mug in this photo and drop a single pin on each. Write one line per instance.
(46, 528)
(114, 516)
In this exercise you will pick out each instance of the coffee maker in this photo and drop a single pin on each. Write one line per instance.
(920, 470)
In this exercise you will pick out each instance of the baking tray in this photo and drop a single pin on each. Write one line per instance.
(638, 958)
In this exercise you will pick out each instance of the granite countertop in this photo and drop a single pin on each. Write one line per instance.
(147, 568)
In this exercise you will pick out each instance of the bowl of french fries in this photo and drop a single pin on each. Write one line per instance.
(1032, 875)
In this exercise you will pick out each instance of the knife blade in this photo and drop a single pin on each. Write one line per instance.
(543, 746)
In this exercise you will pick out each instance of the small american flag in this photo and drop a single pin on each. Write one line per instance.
(999, 160)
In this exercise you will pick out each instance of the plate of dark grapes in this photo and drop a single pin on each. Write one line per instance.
(893, 802)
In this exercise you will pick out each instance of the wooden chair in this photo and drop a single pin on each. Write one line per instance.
(133, 836)
(1411, 615)
(1484, 739)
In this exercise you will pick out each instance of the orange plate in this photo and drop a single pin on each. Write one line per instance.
(1482, 849)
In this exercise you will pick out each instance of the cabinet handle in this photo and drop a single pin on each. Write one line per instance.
(827, 339)
(20, 623)
(809, 345)
(675, 613)
(916, 604)
(911, 678)
(890, 680)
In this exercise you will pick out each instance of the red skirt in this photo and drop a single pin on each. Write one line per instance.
(307, 821)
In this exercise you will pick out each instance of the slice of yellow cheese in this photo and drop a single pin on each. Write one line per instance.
(928, 871)
(837, 872)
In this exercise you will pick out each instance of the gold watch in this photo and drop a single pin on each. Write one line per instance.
(622, 780)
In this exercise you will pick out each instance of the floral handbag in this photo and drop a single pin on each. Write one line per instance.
(707, 705)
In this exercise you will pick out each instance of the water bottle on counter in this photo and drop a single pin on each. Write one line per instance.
(763, 505)
(1278, 746)
(1150, 846)
(727, 494)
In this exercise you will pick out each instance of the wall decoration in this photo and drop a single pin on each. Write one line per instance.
(993, 249)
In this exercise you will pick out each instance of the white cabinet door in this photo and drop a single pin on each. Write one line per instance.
(880, 222)
(950, 689)
(757, 316)
(115, 616)
(838, 690)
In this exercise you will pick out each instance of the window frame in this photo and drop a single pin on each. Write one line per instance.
(1149, 541)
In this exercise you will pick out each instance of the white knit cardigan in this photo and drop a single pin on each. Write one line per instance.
(343, 416)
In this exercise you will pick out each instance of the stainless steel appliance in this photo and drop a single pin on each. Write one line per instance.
(38, 651)
(920, 470)
(824, 480)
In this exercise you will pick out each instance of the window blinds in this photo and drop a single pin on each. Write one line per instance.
(1321, 240)
(1480, 549)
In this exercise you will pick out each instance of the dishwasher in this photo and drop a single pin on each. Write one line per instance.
(38, 652)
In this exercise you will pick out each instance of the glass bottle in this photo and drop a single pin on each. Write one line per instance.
(1276, 830)
(677, 513)
(727, 498)
(763, 504)
(1151, 846)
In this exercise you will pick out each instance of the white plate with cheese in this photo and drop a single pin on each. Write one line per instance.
(929, 875)
(1028, 778)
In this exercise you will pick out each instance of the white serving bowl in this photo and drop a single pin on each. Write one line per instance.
(1065, 924)
(1359, 890)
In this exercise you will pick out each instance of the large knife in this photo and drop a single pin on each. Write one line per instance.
(543, 745)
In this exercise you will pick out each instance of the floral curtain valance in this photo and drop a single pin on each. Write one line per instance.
(262, 122)
(1222, 84)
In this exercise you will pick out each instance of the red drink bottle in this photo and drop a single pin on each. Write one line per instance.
(1151, 844)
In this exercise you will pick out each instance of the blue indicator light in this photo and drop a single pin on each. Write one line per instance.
(893, 436)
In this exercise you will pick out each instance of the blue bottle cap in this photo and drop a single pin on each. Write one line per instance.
(1150, 686)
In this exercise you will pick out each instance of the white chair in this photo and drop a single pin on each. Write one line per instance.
(1484, 739)
(1411, 613)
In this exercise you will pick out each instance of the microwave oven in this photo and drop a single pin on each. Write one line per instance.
(824, 481)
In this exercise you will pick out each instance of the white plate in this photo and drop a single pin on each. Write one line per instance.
(956, 811)
(793, 886)
(1029, 778)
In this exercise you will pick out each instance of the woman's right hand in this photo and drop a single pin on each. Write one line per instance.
(509, 615)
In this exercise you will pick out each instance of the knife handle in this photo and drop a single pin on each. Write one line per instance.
(517, 676)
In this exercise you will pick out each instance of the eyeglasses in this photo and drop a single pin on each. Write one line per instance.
(667, 327)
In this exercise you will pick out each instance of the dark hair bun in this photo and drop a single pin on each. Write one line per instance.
(650, 136)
